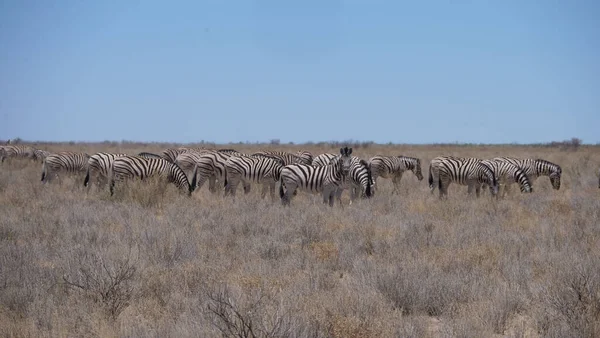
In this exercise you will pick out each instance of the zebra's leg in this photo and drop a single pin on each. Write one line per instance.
(286, 196)
(272, 190)
(265, 189)
(212, 184)
(396, 180)
(200, 181)
(232, 184)
(338, 195)
(247, 187)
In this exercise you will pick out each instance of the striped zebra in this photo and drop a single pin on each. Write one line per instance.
(507, 173)
(359, 180)
(287, 158)
(66, 161)
(434, 170)
(325, 180)
(148, 155)
(130, 167)
(394, 167)
(535, 168)
(99, 166)
(464, 171)
(204, 166)
(248, 170)
(17, 151)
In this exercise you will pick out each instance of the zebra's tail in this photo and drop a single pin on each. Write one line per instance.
(87, 177)
(369, 191)
(281, 189)
(430, 178)
(44, 171)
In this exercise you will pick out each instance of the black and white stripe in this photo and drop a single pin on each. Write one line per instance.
(248, 170)
(394, 167)
(288, 158)
(323, 159)
(171, 154)
(325, 179)
(98, 167)
(434, 170)
(535, 168)
(145, 154)
(130, 167)
(66, 161)
(464, 171)
(507, 173)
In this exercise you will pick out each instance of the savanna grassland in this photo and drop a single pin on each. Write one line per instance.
(150, 261)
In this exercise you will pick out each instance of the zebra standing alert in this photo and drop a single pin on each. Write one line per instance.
(246, 169)
(359, 180)
(535, 168)
(66, 161)
(394, 167)
(129, 167)
(464, 171)
(99, 166)
(507, 174)
(325, 179)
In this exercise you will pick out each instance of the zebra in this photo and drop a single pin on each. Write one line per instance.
(359, 178)
(65, 161)
(129, 167)
(465, 171)
(507, 173)
(247, 169)
(99, 165)
(17, 151)
(434, 170)
(394, 167)
(535, 168)
(288, 158)
(204, 166)
(326, 179)
(148, 155)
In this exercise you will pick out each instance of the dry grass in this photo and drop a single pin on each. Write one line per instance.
(153, 262)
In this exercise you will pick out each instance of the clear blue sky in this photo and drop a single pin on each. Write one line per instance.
(229, 71)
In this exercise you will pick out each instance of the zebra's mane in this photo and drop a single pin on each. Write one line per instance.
(553, 166)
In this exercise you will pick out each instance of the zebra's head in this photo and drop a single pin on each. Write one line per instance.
(555, 177)
(345, 160)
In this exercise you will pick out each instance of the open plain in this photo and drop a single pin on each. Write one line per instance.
(151, 261)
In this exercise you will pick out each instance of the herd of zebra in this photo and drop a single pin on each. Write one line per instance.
(327, 174)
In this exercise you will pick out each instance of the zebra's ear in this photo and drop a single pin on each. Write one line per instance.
(342, 151)
(349, 151)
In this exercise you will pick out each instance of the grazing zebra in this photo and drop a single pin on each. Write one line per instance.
(65, 161)
(394, 167)
(129, 167)
(287, 158)
(325, 179)
(99, 166)
(434, 170)
(465, 171)
(535, 168)
(148, 155)
(507, 173)
(246, 169)
(204, 166)
(17, 151)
